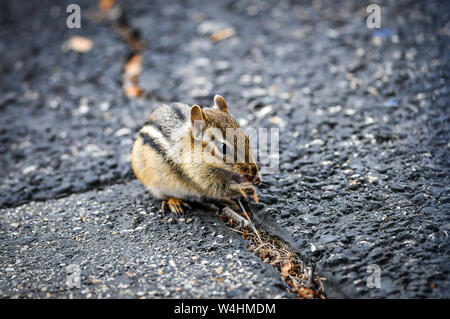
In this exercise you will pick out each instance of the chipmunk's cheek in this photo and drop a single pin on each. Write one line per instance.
(241, 179)
(257, 180)
(235, 178)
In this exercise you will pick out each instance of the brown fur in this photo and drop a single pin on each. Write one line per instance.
(154, 165)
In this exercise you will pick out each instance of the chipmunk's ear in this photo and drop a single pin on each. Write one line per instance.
(220, 103)
(198, 117)
(197, 114)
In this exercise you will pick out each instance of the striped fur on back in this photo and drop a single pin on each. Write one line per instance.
(164, 154)
(160, 131)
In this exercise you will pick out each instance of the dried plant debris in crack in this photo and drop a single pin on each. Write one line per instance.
(271, 250)
(109, 11)
(130, 76)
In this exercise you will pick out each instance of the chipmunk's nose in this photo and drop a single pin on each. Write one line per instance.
(257, 180)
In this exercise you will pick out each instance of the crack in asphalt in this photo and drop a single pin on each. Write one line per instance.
(133, 65)
(311, 285)
(277, 248)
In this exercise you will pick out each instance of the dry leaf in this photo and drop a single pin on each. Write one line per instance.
(133, 66)
(105, 5)
(222, 34)
(78, 44)
(133, 90)
(285, 269)
(130, 76)
(305, 293)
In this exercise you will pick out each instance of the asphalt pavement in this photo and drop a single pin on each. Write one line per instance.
(363, 121)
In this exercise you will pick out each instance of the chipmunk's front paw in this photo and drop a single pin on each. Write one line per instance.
(246, 189)
(175, 205)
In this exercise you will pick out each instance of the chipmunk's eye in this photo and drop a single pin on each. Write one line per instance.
(224, 149)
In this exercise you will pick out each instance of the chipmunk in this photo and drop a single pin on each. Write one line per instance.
(164, 158)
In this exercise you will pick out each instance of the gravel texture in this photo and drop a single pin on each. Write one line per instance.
(126, 248)
(364, 132)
